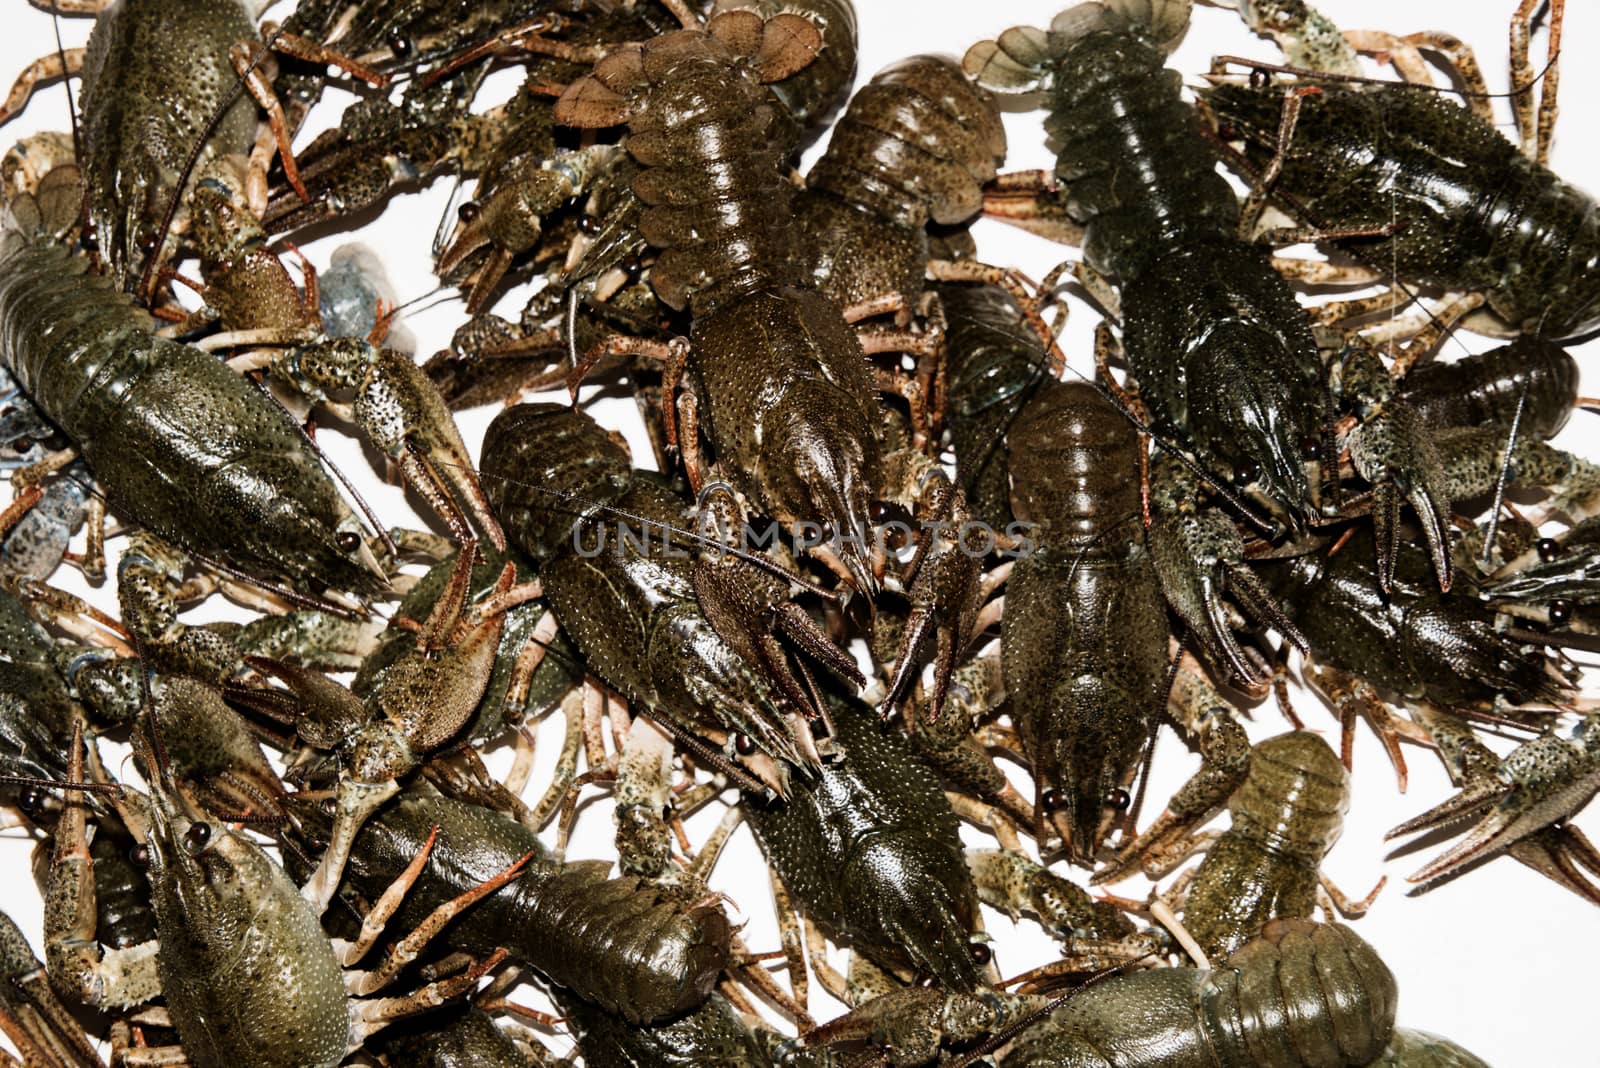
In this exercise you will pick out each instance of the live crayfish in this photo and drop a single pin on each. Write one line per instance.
(691, 636)
(1286, 813)
(1084, 630)
(636, 949)
(1223, 359)
(225, 915)
(308, 534)
(869, 848)
(965, 732)
(728, 254)
(138, 135)
(1479, 213)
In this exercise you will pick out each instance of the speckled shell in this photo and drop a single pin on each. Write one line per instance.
(868, 847)
(154, 74)
(249, 977)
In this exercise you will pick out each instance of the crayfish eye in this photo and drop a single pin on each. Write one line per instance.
(139, 855)
(399, 46)
(588, 224)
(348, 541)
(1548, 548)
(468, 211)
(30, 799)
(196, 837)
(1560, 613)
(1119, 799)
(981, 953)
(743, 744)
(1246, 472)
(1053, 800)
(1310, 446)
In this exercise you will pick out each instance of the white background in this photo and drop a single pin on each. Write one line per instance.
(1499, 960)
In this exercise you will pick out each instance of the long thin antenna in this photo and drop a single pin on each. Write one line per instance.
(147, 277)
(1260, 70)
(1505, 472)
(646, 524)
(72, 109)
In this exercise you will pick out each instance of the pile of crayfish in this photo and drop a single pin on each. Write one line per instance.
(883, 589)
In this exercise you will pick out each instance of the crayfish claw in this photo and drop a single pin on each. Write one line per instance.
(746, 608)
(403, 415)
(946, 593)
(1433, 514)
(812, 639)
(1259, 604)
(1199, 557)
(1393, 449)
(919, 625)
(1538, 786)
(1464, 804)
(1562, 853)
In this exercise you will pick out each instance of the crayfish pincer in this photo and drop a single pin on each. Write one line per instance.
(791, 408)
(869, 848)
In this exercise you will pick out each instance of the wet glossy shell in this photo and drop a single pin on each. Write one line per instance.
(623, 943)
(868, 846)
(154, 74)
(1478, 215)
(1084, 637)
(249, 977)
(1286, 815)
(180, 443)
(1304, 995)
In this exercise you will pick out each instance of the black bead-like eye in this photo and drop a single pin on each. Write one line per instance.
(1247, 472)
(981, 953)
(1260, 78)
(196, 837)
(1560, 613)
(30, 799)
(399, 45)
(1119, 799)
(1053, 800)
(1310, 446)
(468, 211)
(139, 855)
(349, 541)
(744, 745)
(883, 511)
(1548, 549)
(22, 445)
(588, 224)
